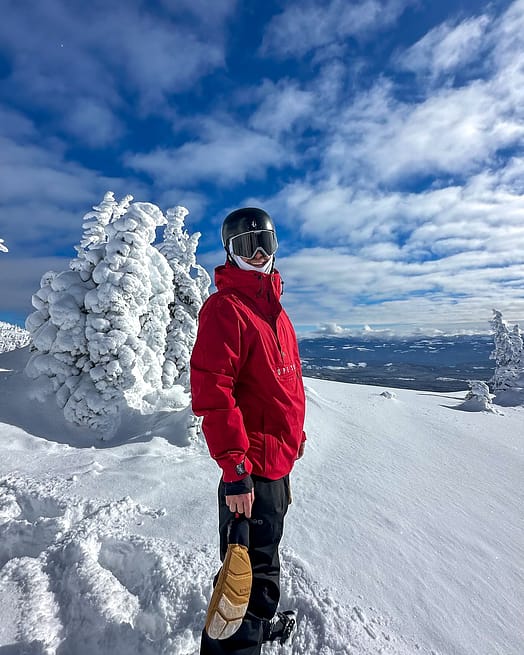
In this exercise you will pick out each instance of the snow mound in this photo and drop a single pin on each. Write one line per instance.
(389, 395)
(478, 405)
(83, 584)
(75, 579)
(12, 337)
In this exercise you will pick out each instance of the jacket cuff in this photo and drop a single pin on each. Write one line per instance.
(239, 487)
(235, 468)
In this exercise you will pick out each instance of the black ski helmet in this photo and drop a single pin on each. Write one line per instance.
(247, 219)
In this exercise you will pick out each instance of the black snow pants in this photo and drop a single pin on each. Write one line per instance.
(272, 498)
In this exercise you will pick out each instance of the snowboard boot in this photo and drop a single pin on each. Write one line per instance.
(282, 628)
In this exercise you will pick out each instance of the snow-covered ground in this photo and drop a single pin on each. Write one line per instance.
(405, 534)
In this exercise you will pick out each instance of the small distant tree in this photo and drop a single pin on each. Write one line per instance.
(191, 287)
(12, 337)
(3, 247)
(517, 345)
(508, 353)
(479, 398)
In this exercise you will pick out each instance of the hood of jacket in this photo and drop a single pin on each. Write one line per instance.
(262, 289)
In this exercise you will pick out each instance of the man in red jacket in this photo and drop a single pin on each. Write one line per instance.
(246, 383)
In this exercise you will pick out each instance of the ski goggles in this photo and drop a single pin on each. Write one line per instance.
(248, 244)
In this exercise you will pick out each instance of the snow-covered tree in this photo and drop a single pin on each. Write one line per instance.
(61, 361)
(479, 398)
(517, 345)
(59, 324)
(127, 311)
(3, 247)
(191, 287)
(117, 329)
(57, 331)
(508, 353)
(12, 337)
(99, 330)
(96, 221)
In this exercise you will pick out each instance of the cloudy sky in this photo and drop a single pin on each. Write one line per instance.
(384, 136)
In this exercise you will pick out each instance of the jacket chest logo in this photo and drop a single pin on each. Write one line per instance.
(286, 369)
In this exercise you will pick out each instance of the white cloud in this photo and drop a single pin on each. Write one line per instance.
(455, 131)
(159, 59)
(483, 214)
(32, 172)
(332, 330)
(61, 51)
(508, 35)
(447, 48)
(210, 15)
(352, 290)
(93, 123)
(43, 195)
(226, 153)
(384, 136)
(446, 255)
(281, 106)
(304, 26)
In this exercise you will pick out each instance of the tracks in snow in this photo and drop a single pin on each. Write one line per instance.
(77, 580)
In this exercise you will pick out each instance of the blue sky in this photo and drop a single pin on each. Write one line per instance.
(384, 136)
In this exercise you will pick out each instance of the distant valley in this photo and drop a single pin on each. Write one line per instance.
(425, 363)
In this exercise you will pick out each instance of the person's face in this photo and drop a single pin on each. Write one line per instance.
(259, 260)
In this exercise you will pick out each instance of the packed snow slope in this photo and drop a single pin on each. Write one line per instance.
(405, 534)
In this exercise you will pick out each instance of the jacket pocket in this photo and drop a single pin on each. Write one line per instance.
(272, 448)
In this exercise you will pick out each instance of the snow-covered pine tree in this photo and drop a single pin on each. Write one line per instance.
(191, 286)
(12, 337)
(61, 362)
(85, 405)
(479, 398)
(95, 223)
(128, 314)
(507, 353)
(501, 353)
(517, 345)
(3, 247)
(99, 330)
(57, 332)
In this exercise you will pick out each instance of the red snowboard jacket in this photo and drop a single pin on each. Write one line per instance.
(246, 378)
